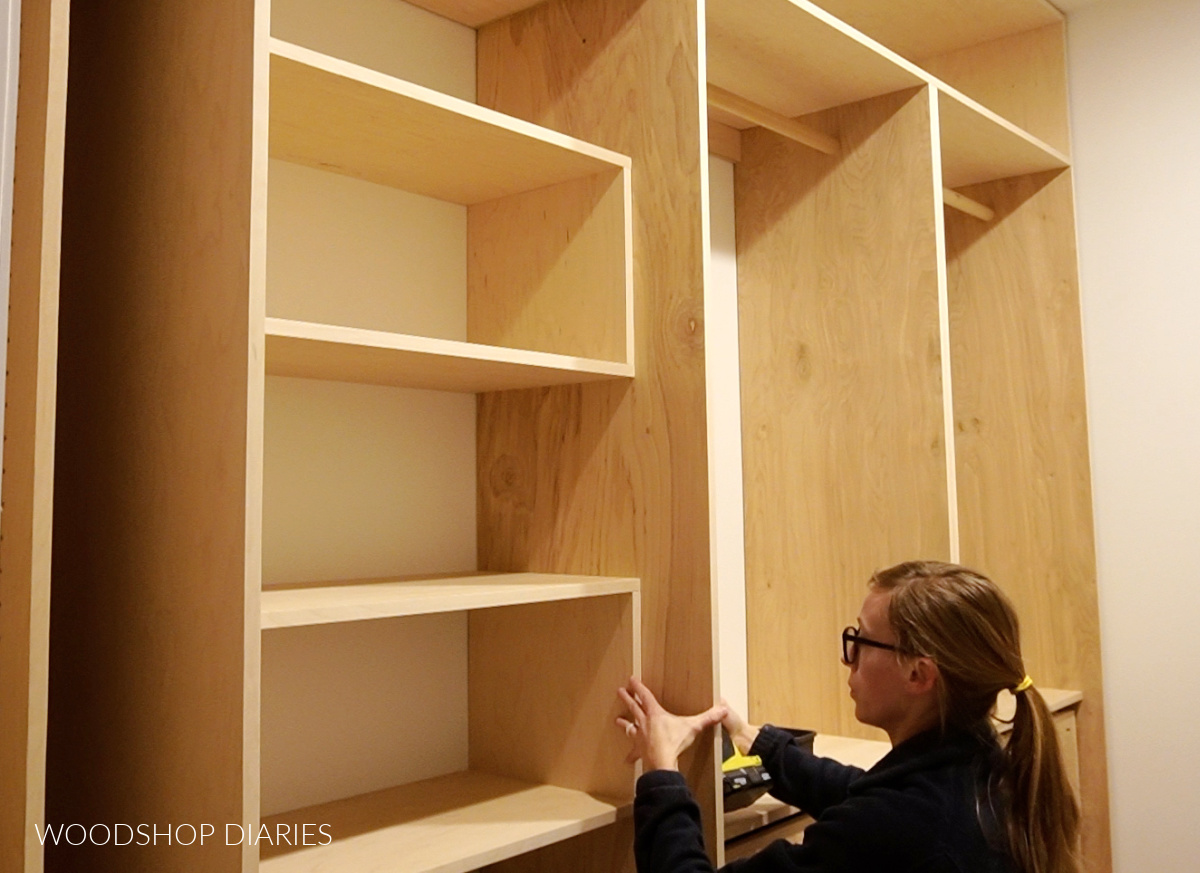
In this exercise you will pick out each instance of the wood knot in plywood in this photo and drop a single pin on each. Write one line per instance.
(803, 361)
(506, 477)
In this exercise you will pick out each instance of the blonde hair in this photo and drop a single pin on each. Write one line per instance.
(963, 622)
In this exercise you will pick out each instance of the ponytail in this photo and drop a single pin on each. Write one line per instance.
(966, 625)
(1043, 815)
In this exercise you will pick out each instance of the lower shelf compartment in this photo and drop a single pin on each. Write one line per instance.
(450, 824)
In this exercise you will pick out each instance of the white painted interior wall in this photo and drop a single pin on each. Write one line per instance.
(361, 480)
(1134, 68)
(725, 438)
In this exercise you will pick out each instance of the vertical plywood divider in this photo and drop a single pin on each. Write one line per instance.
(29, 423)
(1024, 481)
(153, 531)
(613, 478)
(1022, 77)
(549, 269)
(843, 437)
(542, 692)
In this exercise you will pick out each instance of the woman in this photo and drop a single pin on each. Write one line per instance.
(935, 643)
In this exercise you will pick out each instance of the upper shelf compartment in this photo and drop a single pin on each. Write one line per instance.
(547, 264)
(336, 116)
(793, 58)
(919, 29)
(980, 146)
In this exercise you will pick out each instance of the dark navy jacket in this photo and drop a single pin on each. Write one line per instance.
(924, 808)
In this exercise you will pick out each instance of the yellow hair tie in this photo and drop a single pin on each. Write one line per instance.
(1026, 684)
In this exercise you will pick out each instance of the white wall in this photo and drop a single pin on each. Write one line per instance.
(725, 438)
(1135, 91)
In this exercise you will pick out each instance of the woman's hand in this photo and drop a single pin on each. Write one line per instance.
(659, 736)
(740, 731)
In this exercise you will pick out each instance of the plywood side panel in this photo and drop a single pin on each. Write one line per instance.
(1022, 77)
(842, 421)
(549, 270)
(29, 421)
(547, 673)
(612, 479)
(151, 521)
(1021, 433)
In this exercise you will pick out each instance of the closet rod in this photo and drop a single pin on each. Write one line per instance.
(748, 110)
(963, 203)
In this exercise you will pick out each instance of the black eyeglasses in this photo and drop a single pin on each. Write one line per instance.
(852, 638)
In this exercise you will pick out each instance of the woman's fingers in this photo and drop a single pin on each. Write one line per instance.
(635, 708)
(644, 695)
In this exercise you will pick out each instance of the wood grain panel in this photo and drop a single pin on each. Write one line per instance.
(612, 479)
(29, 421)
(542, 692)
(551, 270)
(1022, 77)
(843, 438)
(920, 28)
(1021, 431)
(149, 655)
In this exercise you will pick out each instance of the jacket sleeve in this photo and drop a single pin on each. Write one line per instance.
(799, 777)
(668, 836)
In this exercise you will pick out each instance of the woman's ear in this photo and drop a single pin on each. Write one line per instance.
(922, 675)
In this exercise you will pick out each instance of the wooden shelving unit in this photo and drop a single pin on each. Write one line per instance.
(287, 270)
(451, 824)
(896, 359)
(548, 302)
(980, 146)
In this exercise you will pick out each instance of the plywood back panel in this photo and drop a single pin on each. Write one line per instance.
(365, 481)
(338, 713)
(157, 348)
(390, 36)
(348, 252)
(29, 421)
(613, 479)
(543, 680)
(1022, 77)
(550, 269)
(843, 441)
(1021, 431)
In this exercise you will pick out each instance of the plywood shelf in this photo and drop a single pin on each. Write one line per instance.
(980, 146)
(790, 57)
(793, 58)
(337, 116)
(390, 598)
(450, 824)
(350, 354)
